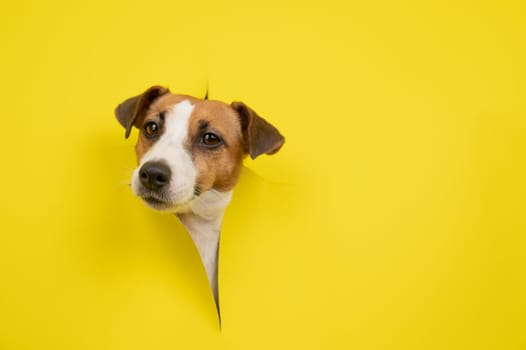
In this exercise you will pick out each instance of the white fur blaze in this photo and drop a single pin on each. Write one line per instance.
(170, 149)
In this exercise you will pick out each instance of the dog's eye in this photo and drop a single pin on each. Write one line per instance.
(210, 139)
(151, 129)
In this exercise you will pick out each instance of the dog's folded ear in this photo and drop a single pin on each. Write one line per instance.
(130, 112)
(259, 135)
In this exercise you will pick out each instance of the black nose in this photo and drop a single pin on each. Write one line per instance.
(154, 175)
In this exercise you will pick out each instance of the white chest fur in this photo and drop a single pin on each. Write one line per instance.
(203, 223)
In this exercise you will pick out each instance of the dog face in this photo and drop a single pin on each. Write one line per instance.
(188, 146)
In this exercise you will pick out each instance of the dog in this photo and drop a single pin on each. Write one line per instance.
(190, 153)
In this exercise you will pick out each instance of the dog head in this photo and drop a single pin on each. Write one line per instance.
(188, 146)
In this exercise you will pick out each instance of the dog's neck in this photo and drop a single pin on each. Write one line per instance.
(203, 223)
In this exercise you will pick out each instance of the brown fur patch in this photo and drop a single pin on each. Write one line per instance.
(216, 168)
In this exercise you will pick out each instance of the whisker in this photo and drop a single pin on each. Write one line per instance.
(197, 190)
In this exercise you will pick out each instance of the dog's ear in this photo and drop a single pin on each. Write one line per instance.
(129, 112)
(259, 135)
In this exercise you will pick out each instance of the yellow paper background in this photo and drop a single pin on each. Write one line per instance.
(393, 218)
